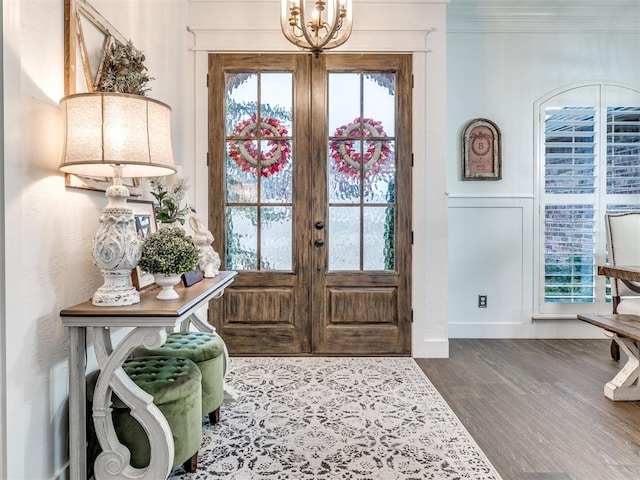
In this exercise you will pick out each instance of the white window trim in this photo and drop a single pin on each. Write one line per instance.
(567, 310)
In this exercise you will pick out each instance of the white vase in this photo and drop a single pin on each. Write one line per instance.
(175, 224)
(167, 282)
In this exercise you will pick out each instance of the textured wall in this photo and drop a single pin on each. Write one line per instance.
(49, 229)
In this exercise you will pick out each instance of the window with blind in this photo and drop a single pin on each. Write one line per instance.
(590, 164)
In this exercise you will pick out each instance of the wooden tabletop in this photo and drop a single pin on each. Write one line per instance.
(149, 306)
(623, 272)
(623, 325)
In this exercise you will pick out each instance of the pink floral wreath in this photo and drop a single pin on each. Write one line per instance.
(245, 152)
(347, 158)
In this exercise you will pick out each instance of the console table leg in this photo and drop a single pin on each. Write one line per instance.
(77, 405)
(114, 461)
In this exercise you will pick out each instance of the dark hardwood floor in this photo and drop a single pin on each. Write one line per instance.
(537, 409)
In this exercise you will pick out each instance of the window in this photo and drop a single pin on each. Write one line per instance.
(589, 165)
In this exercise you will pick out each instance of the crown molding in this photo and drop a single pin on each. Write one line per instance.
(543, 16)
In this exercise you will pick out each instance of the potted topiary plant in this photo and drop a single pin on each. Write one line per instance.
(167, 254)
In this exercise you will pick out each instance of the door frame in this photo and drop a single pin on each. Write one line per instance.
(305, 338)
(426, 41)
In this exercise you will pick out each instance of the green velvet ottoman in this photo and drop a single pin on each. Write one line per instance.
(206, 350)
(175, 384)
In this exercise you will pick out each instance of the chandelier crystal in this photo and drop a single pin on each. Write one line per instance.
(316, 25)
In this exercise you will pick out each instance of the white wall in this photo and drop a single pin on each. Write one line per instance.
(3, 360)
(48, 229)
(502, 57)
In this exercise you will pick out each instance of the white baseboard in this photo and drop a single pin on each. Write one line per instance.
(431, 349)
(536, 329)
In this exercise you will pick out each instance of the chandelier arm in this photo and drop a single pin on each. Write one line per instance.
(338, 39)
(307, 31)
(332, 31)
(341, 39)
(289, 28)
(307, 35)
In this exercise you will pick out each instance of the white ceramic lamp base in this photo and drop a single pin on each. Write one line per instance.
(116, 251)
(117, 289)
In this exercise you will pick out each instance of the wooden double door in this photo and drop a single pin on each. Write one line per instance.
(310, 201)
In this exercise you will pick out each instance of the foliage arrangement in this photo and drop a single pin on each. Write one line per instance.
(169, 199)
(124, 71)
(169, 251)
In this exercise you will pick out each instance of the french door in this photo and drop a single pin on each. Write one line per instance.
(310, 201)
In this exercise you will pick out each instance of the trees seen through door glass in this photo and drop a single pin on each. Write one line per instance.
(361, 171)
(258, 170)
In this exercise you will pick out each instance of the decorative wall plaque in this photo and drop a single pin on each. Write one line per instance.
(481, 145)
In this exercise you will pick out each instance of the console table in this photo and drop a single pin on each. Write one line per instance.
(150, 319)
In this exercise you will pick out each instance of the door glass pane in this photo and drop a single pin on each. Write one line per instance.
(276, 98)
(258, 171)
(378, 236)
(275, 248)
(241, 98)
(276, 161)
(344, 238)
(344, 175)
(361, 168)
(379, 99)
(278, 188)
(344, 99)
(242, 183)
(379, 184)
(242, 253)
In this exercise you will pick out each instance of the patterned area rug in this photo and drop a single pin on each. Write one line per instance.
(332, 419)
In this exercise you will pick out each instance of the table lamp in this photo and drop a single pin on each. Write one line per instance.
(116, 135)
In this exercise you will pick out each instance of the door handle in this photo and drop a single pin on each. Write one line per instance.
(319, 242)
(319, 225)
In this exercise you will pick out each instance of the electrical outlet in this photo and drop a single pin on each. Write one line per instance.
(482, 301)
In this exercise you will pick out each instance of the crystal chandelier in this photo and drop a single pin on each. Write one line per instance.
(316, 25)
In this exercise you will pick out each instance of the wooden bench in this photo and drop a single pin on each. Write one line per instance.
(625, 331)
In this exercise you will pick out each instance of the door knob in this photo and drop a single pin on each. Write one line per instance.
(319, 225)
(319, 242)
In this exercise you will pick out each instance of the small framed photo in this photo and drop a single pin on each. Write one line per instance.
(481, 151)
(145, 218)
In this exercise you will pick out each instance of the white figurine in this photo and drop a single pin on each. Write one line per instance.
(208, 258)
